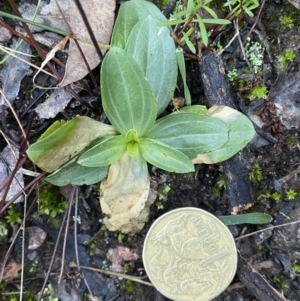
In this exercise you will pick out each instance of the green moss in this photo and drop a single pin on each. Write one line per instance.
(13, 216)
(51, 202)
(256, 174)
(276, 196)
(287, 21)
(259, 91)
(3, 229)
(296, 267)
(285, 59)
(281, 282)
(129, 288)
(290, 141)
(220, 186)
(259, 248)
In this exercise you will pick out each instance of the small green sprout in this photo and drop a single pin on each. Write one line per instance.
(121, 237)
(296, 267)
(159, 205)
(92, 247)
(232, 75)
(256, 174)
(259, 91)
(163, 194)
(3, 229)
(259, 248)
(291, 194)
(287, 21)
(13, 217)
(220, 186)
(285, 59)
(49, 294)
(33, 268)
(276, 196)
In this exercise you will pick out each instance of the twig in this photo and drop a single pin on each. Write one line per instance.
(265, 229)
(53, 256)
(256, 20)
(13, 241)
(14, 113)
(71, 198)
(133, 278)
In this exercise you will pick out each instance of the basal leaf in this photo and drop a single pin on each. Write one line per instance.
(164, 156)
(75, 174)
(127, 97)
(241, 132)
(154, 50)
(190, 133)
(62, 143)
(130, 13)
(104, 153)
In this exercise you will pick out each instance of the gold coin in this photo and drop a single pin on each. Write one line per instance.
(189, 255)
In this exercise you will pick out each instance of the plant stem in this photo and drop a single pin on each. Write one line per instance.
(52, 29)
(56, 30)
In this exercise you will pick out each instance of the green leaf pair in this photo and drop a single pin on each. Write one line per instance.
(136, 31)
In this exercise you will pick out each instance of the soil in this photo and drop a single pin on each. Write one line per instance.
(269, 261)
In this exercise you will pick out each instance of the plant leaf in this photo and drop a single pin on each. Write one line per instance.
(210, 11)
(164, 156)
(181, 65)
(186, 12)
(64, 141)
(107, 151)
(170, 22)
(100, 18)
(130, 13)
(241, 132)
(190, 133)
(75, 174)
(127, 98)
(204, 35)
(247, 218)
(216, 21)
(154, 50)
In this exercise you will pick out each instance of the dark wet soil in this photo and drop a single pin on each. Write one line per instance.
(274, 253)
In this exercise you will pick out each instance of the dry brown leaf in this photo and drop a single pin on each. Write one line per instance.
(124, 195)
(100, 16)
(11, 271)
